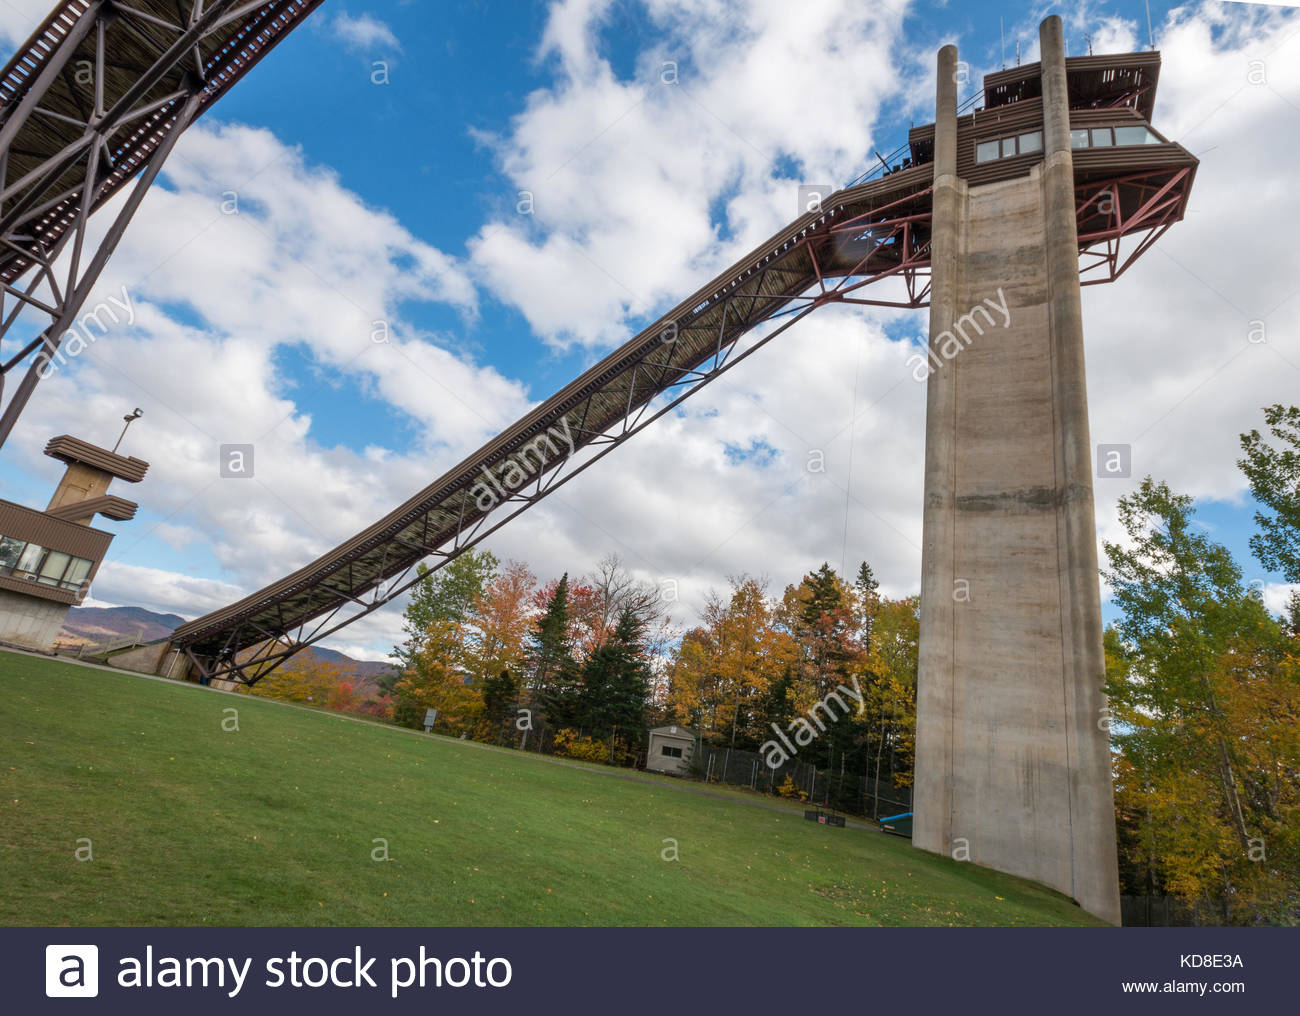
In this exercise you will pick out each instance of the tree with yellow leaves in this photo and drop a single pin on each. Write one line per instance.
(725, 668)
(1205, 700)
(308, 680)
(434, 681)
(890, 699)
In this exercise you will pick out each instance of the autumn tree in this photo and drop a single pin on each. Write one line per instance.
(724, 670)
(311, 681)
(434, 681)
(499, 624)
(448, 596)
(889, 705)
(1203, 691)
(1274, 477)
(695, 692)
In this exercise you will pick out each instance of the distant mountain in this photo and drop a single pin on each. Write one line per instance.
(364, 668)
(101, 624)
(105, 624)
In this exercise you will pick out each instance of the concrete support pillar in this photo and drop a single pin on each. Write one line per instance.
(1012, 752)
(936, 702)
(945, 115)
(1092, 810)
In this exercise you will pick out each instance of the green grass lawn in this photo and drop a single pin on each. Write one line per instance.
(279, 823)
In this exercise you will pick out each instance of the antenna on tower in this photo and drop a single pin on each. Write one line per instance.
(1017, 52)
(1151, 35)
(130, 418)
(1002, 27)
(1089, 39)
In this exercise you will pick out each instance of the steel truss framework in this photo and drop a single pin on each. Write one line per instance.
(1141, 207)
(865, 236)
(95, 99)
(830, 258)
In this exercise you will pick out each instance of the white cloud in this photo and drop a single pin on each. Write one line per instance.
(1277, 595)
(644, 187)
(363, 33)
(19, 19)
(360, 652)
(177, 537)
(129, 585)
(302, 264)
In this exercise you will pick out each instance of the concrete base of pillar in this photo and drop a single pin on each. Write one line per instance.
(30, 621)
(160, 659)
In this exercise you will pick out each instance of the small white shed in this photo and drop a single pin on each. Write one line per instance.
(670, 750)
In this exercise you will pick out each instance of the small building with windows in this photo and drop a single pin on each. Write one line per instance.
(49, 558)
(670, 750)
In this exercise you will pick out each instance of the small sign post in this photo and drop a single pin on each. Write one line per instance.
(430, 718)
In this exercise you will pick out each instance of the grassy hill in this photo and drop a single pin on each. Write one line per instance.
(280, 822)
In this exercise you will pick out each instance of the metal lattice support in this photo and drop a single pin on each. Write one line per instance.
(95, 100)
(832, 258)
(1142, 205)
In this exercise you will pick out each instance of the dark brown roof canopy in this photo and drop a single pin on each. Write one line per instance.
(1095, 82)
(74, 450)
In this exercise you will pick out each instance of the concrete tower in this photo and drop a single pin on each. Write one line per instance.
(49, 559)
(1013, 751)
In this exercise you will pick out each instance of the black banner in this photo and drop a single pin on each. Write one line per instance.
(636, 970)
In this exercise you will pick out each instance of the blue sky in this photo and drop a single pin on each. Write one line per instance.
(397, 201)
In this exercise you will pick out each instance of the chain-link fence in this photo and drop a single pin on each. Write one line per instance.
(1167, 912)
(860, 793)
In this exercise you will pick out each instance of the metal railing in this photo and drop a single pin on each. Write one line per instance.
(86, 649)
(901, 157)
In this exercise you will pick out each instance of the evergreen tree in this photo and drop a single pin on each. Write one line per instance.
(824, 595)
(869, 600)
(866, 580)
(616, 683)
(550, 658)
(500, 693)
(826, 630)
(832, 652)
(776, 707)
